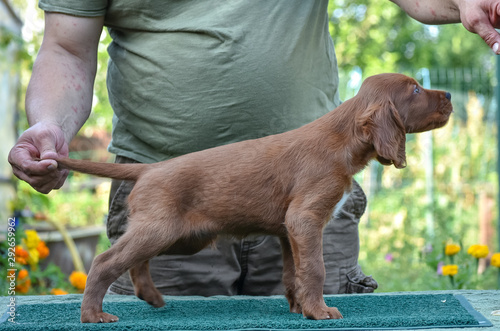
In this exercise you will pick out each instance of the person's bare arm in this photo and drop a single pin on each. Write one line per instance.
(58, 99)
(477, 16)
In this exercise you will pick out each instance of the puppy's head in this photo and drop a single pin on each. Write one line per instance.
(396, 104)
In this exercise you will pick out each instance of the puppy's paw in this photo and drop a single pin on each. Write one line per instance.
(98, 318)
(151, 296)
(295, 308)
(155, 301)
(324, 314)
(333, 313)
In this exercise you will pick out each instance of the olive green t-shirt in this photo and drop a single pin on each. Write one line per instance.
(189, 75)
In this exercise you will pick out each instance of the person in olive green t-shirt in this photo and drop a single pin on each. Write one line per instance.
(189, 75)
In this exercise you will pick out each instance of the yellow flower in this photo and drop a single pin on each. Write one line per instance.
(451, 249)
(78, 279)
(58, 291)
(34, 257)
(32, 239)
(42, 249)
(495, 260)
(478, 251)
(450, 270)
(31, 243)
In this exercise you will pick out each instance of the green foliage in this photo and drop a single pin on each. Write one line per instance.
(399, 276)
(7, 38)
(83, 202)
(464, 171)
(379, 37)
(29, 199)
(43, 281)
(469, 275)
(103, 244)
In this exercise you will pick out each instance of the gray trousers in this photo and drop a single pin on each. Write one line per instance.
(249, 266)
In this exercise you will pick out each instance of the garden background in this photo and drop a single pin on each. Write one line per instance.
(447, 194)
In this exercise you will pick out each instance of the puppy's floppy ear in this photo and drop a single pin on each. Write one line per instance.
(382, 126)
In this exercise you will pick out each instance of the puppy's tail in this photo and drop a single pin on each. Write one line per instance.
(126, 171)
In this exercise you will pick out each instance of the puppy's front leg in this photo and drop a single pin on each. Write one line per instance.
(305, 236)
(289, 276)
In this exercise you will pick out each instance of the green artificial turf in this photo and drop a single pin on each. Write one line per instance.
(361, 312)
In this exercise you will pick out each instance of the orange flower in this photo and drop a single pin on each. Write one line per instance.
(58, 291)
(23, 283)
(21, 255)
(42, 249)
(78, 279)
(22, 274)
(24, 287)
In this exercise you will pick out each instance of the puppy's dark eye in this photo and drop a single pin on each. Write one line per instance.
(416, 89)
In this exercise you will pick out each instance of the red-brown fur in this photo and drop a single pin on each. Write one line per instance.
(285, 185)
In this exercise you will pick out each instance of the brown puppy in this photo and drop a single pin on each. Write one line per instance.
(286, 185)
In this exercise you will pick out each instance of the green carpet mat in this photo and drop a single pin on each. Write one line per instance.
(361, 312)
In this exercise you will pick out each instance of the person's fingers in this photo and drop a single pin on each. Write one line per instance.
(33, 158)
(486, 31)
(24, 158)
(63, 174)
(42, 175)
(44, 184)
(482, 20)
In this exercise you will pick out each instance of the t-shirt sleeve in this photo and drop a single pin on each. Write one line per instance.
(86, 8)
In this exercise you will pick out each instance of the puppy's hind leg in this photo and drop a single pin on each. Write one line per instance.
(141, 242)
(191, 243)
(144, 287)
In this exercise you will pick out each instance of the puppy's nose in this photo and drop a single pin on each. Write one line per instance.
(448, 95)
